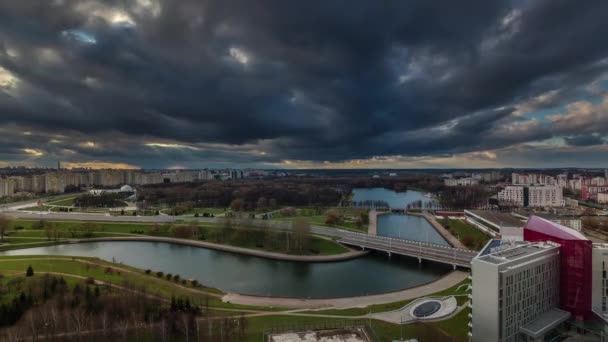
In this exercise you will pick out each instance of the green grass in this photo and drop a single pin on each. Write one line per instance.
(63, 202)
(455, 327)
(394, 305)
(106, 229)
(137, 278)
(461, 229)
(319, 220)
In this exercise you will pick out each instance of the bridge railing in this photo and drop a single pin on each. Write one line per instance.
(368, 237)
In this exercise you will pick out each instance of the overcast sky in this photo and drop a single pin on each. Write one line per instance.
(385, 83)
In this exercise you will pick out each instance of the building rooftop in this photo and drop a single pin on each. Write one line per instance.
(544, 226)
(515, 250)
(497, 218)
(545, 322)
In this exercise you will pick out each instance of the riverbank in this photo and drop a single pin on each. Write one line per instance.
(351, 254)
(443, 283)
(451, 239)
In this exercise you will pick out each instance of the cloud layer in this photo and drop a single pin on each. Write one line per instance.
(291, 84)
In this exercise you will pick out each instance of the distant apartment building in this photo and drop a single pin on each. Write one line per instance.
(7, 187)
(591, 191)
(491, 177)
(532, 179)
(467, 181)
(602, 197)
(54, 183)
(532, 196)
(516, 292)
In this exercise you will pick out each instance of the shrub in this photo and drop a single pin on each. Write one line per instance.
(29, 272)
(159, 274)
(468, 241)
(148, 271)
(194, 282)
(176, 278)
(168, 276)
(90, 281)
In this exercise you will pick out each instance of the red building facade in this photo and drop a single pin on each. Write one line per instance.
(576, 263)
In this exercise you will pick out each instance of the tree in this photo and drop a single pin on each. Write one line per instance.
(6, 223)
(29, 272)
(332, 218)
(236, 205)
(262, 203)
(468, 241)
(301, 236)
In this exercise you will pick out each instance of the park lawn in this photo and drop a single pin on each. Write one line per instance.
(10, 239)
(319, 220)
(201, 211)
(462, 229)
(136, 278)
(455, 327)
(105, 229)
(461, 298)
(68, 202)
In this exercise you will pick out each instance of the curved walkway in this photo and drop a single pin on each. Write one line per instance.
(445, 282)
(351, 254)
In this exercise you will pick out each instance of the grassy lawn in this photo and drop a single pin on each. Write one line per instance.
(64, 202)
(460, 229)
(201, 211)
(313, 216)
(74, 229)
(97, 269)
(455, 327)
(395, 305)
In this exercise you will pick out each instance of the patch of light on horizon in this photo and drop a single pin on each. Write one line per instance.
(33, 152)
(174, 146)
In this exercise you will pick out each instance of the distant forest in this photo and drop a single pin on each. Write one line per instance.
(286, 191)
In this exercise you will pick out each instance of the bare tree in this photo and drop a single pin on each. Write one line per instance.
(6, 223)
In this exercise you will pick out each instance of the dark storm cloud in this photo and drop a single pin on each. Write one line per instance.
(584, 140)
(333, 80)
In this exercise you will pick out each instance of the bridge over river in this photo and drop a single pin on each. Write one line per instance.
(421, 250)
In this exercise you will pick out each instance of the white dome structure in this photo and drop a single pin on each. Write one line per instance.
(126, 188)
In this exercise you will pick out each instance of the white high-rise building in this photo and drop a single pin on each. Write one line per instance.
(599, 280)
(515, 292)
(532, 196)
(512, 195)
(545, 196)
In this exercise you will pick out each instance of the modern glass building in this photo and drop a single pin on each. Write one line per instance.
(575, 263)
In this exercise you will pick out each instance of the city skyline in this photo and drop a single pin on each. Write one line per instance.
(195, 84)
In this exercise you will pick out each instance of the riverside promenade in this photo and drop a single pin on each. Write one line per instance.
(351, 254)
(451, 239)
(441, 284)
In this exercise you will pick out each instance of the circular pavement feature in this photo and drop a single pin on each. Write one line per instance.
(426, 309)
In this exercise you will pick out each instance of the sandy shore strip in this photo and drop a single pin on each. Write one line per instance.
(443, 283)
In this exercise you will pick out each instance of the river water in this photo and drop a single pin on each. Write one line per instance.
(230, 272)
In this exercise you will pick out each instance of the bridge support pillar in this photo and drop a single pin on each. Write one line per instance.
(389, 254)
(454, 267)
(420, 260)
